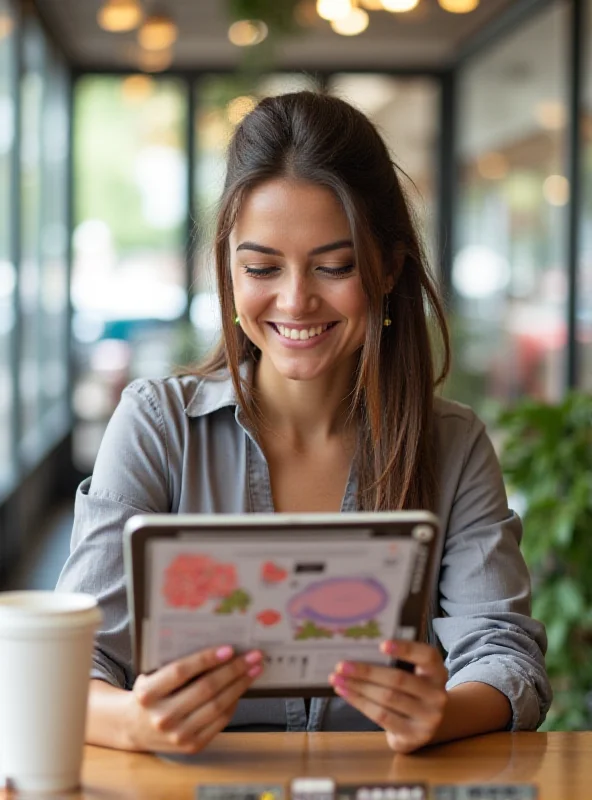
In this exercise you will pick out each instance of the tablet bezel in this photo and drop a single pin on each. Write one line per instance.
(142, 528)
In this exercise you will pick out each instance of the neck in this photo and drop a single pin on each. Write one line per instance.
(305, 412)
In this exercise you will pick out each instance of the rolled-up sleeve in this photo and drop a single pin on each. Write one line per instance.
(486, 628)
(130, 477)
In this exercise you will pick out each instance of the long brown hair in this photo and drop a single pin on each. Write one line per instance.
(320, 139)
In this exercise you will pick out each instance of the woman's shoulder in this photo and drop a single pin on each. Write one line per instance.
(191, 394)
(456, 425)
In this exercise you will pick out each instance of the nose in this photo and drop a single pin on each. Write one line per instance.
(297, 297)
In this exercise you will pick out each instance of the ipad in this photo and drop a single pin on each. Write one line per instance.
(308, 590)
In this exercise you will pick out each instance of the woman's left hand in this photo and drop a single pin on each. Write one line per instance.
(409, 706)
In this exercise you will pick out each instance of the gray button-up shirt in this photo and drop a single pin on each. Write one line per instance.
(181, 445)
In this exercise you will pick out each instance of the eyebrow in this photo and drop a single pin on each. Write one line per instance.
(316, 251)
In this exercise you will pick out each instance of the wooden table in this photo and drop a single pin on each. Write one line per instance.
(559, 763)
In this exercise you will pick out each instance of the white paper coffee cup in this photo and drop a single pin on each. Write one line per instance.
(46, 642)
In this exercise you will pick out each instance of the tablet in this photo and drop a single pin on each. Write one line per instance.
(308, 590)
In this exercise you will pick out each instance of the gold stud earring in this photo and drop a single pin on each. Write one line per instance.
(236, 319)
(387, 315)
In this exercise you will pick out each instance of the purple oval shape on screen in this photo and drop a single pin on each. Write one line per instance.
(339, 601)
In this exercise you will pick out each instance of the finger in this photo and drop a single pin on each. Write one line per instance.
(392, 678)
(215, 709)
(425, 657)
(151, 688)
(428, 709)
(384, 717)
(169, 712)
(204, 736)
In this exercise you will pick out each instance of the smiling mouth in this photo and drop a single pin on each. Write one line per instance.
(302, 334)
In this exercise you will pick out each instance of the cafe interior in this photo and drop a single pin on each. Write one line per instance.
(114, 120)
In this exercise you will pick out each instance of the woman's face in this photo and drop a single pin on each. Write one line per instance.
(297, 289)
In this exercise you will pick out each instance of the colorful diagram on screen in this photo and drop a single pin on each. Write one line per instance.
(338, 606)
(191, 580)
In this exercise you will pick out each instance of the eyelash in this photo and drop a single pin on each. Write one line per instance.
(267, 272)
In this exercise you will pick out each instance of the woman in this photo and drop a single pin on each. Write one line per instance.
(320, 397)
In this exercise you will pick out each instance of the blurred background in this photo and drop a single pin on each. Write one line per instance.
(114, 119)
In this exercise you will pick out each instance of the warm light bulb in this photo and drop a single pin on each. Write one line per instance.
(158, 32)
(556, 190)
(356, 21)
(372, 5)
(399, 6)
(238, 108)
(136, 88)
(155, 60)
(459, 6)
(117, 16)
(247, 32)
(333, 9)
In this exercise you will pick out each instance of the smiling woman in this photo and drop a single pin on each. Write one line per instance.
(318, 398)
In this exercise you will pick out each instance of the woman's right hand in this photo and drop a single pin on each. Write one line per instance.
(182, 706)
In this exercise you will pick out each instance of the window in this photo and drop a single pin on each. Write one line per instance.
(7, 266)
(509, 273)
(584, 327)
(129, 277)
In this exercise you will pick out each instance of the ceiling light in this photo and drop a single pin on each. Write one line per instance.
(155, 60)
(399, 6)
(136, 88)
(556, 190)
(372, 5)
(333, 9)
(117, 16)
(459, 6)
(158, 32)
(551, 115)
(247, 32)
(356, 21)
(6, 26)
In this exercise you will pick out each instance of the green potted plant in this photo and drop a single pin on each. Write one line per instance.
(547, 461)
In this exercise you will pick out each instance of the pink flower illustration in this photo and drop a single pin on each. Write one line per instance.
(190, 580)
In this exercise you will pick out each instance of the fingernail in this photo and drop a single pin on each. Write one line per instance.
(222, 653)
(254, 657)
(254, 671)
(389, 647)
(346, 668)
(341, 691)
(338, 680)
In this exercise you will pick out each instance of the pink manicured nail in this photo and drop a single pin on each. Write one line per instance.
(223, 653)
(341, 691)
(254, 671)
(339, 680)
(254, 657)
(390, 648)
(346, 668)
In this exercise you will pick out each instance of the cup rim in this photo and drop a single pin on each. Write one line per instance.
(43, 603)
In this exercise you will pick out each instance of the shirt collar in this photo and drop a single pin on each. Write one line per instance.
(217, 392)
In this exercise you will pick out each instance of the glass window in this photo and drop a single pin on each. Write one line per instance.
(32, 85)
(222, 101)
(509, 272)
(129, 278)
(53, 242)
(406, 112)
(7, 267)
(584, 329)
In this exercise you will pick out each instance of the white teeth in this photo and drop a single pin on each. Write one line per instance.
(301, 334)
